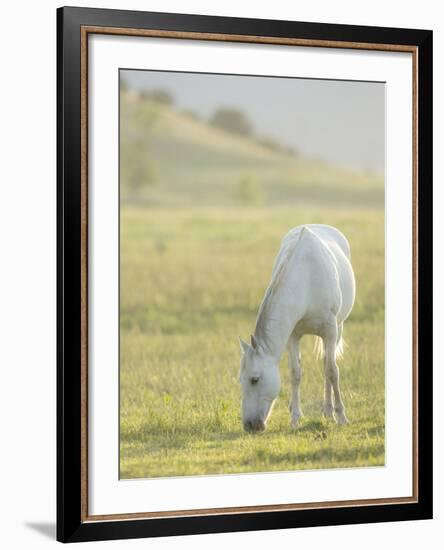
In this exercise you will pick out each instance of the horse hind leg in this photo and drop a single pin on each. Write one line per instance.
(339, 342)
(327, 407)
(331, 373)
(294, 363)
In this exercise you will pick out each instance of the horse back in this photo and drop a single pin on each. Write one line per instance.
(318, 269)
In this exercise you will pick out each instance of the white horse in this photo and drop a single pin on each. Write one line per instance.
(312, 291)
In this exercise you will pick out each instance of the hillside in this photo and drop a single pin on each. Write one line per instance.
(173, 158)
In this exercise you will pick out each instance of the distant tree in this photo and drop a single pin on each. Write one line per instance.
(269, 143)
(249, 189)
(289, 150)
(137, 168)
(232, 120)
(191, 114)
(274, 145)
(159, 96)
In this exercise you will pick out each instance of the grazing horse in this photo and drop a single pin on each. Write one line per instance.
(312, 291)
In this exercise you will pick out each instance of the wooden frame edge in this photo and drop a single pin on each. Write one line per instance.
(252, 39)
(415, 281)
(201, 512)
(84, 271)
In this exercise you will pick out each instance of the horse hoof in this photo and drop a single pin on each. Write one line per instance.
(295, 422)
(341, 419)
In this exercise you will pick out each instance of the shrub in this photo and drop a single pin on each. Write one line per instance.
(232, 120)
(249, 190)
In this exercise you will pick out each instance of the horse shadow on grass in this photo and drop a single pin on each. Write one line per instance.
(327, 458)
(181, 436)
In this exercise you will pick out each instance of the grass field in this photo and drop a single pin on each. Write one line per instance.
(191, 282)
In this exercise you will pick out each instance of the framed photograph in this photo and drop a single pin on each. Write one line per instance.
(244, 274)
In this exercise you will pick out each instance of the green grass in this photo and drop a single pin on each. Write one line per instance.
(191, 283)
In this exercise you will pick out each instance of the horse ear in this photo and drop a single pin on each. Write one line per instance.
(243, 345)
(254, 343)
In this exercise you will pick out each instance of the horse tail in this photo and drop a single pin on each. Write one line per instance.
(340, 348)
(319, 350)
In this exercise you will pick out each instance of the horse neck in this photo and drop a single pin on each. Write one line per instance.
(273, 327)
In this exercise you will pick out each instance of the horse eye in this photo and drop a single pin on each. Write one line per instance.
(254, 380)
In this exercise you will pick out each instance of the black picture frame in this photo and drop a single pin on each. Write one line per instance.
(71, 523)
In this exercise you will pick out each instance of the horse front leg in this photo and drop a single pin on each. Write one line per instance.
(331, 372)
(294, 364)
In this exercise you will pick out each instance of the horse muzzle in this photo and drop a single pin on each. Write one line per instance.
(256, 425)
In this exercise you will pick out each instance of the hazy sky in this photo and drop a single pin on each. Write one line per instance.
(340, 121)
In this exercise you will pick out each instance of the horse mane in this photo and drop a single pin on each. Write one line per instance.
(276, 280)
